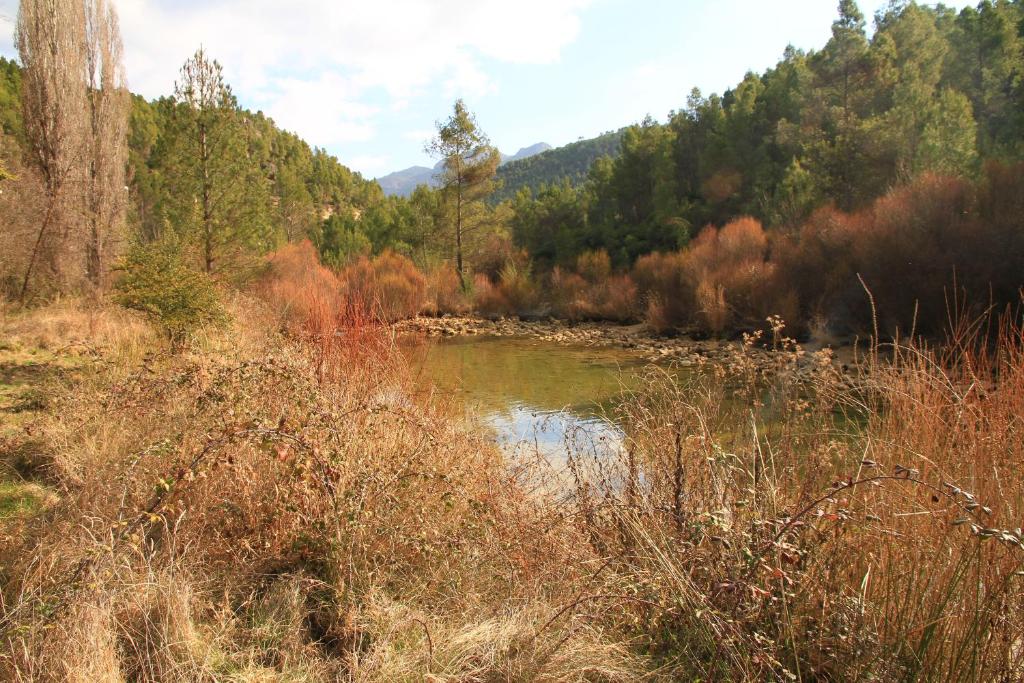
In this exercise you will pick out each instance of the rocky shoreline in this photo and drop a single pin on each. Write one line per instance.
(655, 348)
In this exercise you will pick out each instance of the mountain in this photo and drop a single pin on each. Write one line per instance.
(527, 152)
(402, 183)
(573, 161)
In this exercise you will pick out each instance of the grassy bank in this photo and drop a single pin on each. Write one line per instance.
(271, 505)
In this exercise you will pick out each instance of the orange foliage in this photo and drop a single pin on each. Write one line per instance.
(310, 302)
(666, 288)
(298, 288)
(918, 249)
(488, 298)
(444, 292)
(605, 297)
(721, 282)
(390, 286)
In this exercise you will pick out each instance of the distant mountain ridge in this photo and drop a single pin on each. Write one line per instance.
(573, 161)
(403, 183)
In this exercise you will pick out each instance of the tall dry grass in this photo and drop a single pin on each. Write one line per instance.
(237, 512)
(781, 524)
(267, 506)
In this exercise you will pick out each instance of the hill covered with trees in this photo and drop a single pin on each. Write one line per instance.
(572, 162)
(931, 91)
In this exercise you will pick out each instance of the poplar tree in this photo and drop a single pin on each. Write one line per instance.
(50, 37)
(467, 177)
(108, 102)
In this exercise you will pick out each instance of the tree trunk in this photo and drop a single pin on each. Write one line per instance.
(458, 240)
(47, 218)
(207, 211)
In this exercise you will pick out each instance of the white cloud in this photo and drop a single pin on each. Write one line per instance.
(370, 165)
(325, 109)
(326, 69)
(314, 64)
(420, 135)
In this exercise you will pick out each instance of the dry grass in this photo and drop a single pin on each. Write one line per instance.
(785, 526)
(268, 507)
(236, 511)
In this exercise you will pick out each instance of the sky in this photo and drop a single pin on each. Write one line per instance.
(368, 80)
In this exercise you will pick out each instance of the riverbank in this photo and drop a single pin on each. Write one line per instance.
(679, 350)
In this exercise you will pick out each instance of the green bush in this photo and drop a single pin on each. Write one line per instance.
(176, 298)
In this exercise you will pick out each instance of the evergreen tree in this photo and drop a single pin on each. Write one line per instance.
(836, 148)
(470, 164)
(217, 193)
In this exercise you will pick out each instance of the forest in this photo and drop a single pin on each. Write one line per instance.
(218, 460)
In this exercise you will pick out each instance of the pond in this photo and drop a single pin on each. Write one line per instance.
(533, 393)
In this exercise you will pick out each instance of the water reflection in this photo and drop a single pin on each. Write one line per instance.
(533, 394)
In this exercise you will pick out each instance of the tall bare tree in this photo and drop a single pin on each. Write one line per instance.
(470, 164)
(50, 37)
(108, 102)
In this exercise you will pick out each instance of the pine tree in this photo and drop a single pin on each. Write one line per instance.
(843, 73)
(470, 164)
(218, 197)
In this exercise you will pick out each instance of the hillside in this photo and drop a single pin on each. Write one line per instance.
(572, 161)
(303, 182)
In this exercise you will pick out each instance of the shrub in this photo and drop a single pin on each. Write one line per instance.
(593, 293)
(732, 277)
(390, 286)
(518, 288)
(918, 250)
(567, 294)
(445, 293)
(298, 288)
(594, 266)
(488, 299)
(496, 253)
(176, 298)
(666, 290)
(817, 268)
(912, 253)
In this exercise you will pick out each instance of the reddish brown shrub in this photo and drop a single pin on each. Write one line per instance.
(298, 288)
(614, 299)
(913, 252)
(567, 294)
(390, 286)
(497, 252)
(594, 266)
(593, 293)
(666, 289)
(817, 268)
(311, 304)
(488, 299)
(444, 292)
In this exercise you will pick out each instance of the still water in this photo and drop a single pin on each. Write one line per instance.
(533, 394)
